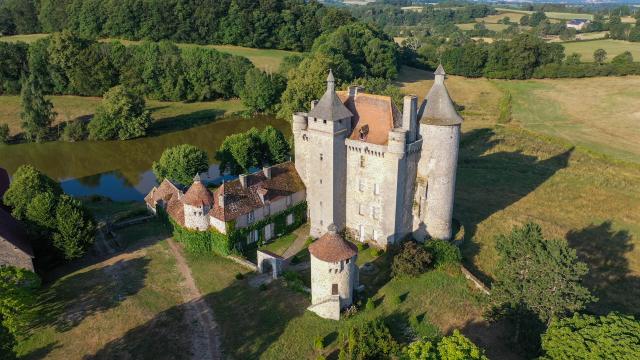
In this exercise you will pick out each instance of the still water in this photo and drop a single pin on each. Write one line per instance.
(121, 170)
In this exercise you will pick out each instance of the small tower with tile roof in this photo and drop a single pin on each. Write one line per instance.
(197, 202)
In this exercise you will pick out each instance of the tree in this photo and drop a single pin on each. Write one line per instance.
(121, 115)
(573, 59)
(27, 183)
(4, 134)
(261, 91)
(41, 210)
(181, 163)
(453, 347)
(240, 152)
(599, 56)
(443, 252)
(412, 260)
(277, 149)
(623, 58)
(367, 340)
(37, 112)
(75, 228)
(536, 277)
(536, 18)
(17, 287)
(613, 336)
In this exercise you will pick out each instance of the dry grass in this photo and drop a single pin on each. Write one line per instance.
(493, 19)
(612, 47)
(508, 176)
(123, 307)
(490, 26)
(552, 15)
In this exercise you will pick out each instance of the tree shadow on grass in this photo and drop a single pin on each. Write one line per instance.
(489, 182)
(603, 249)
(70, 300)
(184, 121)
(41, 353)
(493, 337)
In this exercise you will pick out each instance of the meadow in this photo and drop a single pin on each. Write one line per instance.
(612, 47)
(266, 59)
(551, 14)
(490, 26)
(578, 184)
(78, 107)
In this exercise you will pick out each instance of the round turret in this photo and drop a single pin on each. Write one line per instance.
(334, 274)
(397, 141)
(197, 202)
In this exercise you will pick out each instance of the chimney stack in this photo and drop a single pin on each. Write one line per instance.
(243, 180)
(267, 171)
(410, 117)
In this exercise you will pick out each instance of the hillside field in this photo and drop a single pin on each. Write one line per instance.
(266, 59)
(508, 175)
(551, 14)
(612, 47)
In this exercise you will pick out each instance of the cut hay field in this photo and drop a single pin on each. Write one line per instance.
(612, 47)
(509, 175)
(552, 15)
(493, 19)
(75, 107)
(266, 59)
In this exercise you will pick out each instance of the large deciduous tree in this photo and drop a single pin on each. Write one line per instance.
(181, 163)
(261, 91)
(453, 347)
(367, 340)
(276, 147)
(121, 115)
(536, 277)
(26, 185)
(609, 337)
(241, 152)
(75, 229)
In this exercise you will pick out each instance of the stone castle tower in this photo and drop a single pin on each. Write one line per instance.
(334, 274)
(197, 202)
(376, 172)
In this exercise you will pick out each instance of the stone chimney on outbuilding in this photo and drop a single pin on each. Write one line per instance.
(243, 180)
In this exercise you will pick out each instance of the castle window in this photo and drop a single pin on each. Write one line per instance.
(324, 121)
(289, 219)
(251, 217)
(321, 157)
(376, 189)
(362, 163)
(361, 185)
(320, 181)
(334, 289)
(361, 209)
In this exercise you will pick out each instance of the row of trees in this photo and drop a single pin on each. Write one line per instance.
(393, 15)
(58, 224)
(282, 24)
(66, 63)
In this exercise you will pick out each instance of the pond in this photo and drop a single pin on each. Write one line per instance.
(121, 170)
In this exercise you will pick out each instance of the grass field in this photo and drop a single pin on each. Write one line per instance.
(508, 176)
(266, 59)
(612, 47)
(551, 14)
(493, 19)
(74, 107)
(273, 324)
(490, 26)
(104, 310)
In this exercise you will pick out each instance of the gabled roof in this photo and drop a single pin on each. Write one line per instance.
(13, 232)
(165, 192)
(374, 116)
(331, 247)
(439, 108)
(330, 107)
(239, 200)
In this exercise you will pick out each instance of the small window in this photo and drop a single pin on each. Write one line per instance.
(376, 189)
(320, 181)
(361, 209)
(361, 185)
(347, 261)
(321, 157)
(324, 121)
(334, 289)
(362, 162)
(289, 219)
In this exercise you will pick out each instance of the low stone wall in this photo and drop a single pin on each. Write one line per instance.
(479, 284)
(244, 262)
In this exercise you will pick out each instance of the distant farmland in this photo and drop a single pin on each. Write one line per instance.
(612, 47)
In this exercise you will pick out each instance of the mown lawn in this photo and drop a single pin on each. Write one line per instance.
(612, 47)
(127, 306)
(280, 245)
(273, 324)
(167, 115)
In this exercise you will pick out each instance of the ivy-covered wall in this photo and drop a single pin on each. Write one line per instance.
(204, 242)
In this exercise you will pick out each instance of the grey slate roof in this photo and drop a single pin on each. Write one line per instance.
(330, 107)
(439, 108)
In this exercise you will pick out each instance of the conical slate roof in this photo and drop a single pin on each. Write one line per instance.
(331, 247)
(330, 107)
(198, 194)
(439, 109)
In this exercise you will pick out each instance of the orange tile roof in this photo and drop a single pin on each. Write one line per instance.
(374, 116)
(331, 247)
(198, 195)
(165, 191)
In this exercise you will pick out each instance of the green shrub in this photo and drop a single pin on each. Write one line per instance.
(318, 343)
(4, 134)
(375, 252)
(262, 287)
(370, 305)
(74, 131)
(295, 260)
(361, 246)
(239, 276)
(423, 328)
(412, 260)
(443, 252)
(396, 300)
(367, 340)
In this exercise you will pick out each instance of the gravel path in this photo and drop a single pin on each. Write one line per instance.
(206, 333)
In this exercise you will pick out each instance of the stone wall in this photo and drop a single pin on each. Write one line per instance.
(196, 218)
(12, 256)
